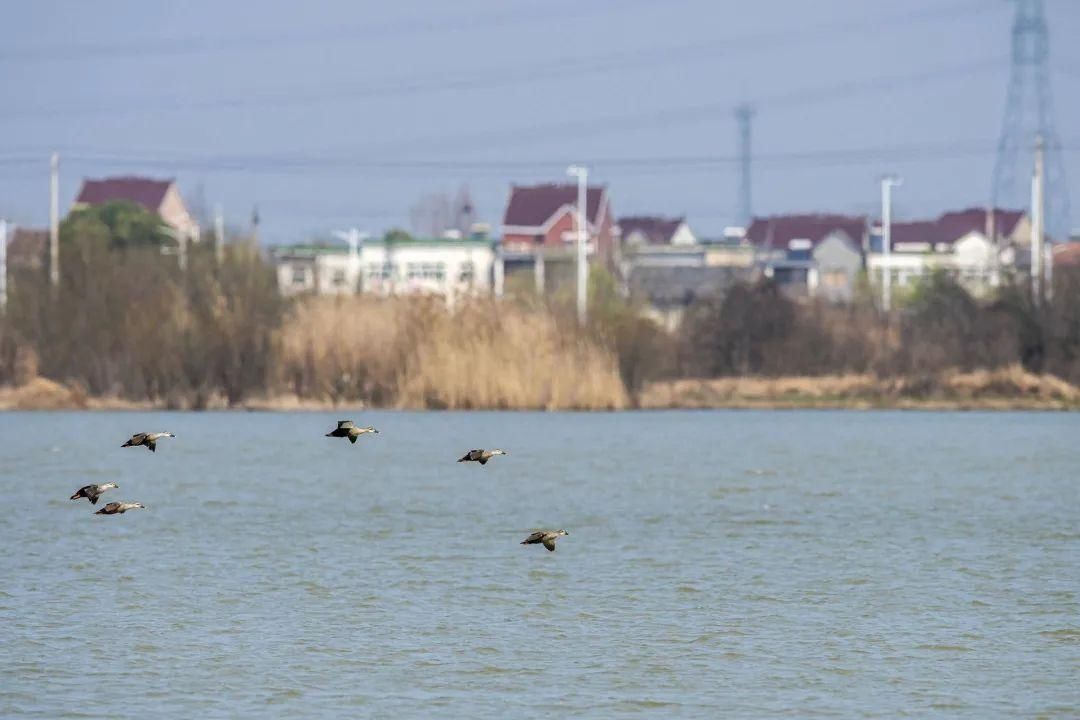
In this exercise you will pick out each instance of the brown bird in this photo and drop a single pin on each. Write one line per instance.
(547, 537)
(347, 428)
(482, 456)
(147, 439)
(93, 492)
(119, 508)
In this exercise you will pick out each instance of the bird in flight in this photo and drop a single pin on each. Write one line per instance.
(482, 456)
(119, 508)
(93, 492)
(545, 537)
(147, 439)
(348, 429)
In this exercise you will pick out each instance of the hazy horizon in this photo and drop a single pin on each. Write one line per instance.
(346, 114)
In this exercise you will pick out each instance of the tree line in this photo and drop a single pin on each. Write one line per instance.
(125, 321)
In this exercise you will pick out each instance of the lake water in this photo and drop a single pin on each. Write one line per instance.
(735, 564)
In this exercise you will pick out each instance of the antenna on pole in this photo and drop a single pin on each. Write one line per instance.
(744, 115)
(1029, 112)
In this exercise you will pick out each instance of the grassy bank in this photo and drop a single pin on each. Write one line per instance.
(1005, 389)
(1010, 388)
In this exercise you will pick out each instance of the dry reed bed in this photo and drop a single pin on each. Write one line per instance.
(414, 353)
(1003, 388)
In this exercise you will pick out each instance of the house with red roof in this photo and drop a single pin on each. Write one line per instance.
(542, 219)
(655, 230)
(158, 196)
(975, 245)
(814, 255)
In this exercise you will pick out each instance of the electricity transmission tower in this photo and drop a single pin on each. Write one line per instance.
(744, 114)
(1028, 113)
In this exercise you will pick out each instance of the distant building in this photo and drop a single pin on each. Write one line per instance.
(449, 267)
(653, 230)
(810, 255)
(975, 246)
(158, 196)
(668, 291)
(543, 219)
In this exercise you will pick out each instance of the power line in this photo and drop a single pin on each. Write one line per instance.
(480, 78)
(360, 166)
(179, 46)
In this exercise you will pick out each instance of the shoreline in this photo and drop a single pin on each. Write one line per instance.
(1005, 389)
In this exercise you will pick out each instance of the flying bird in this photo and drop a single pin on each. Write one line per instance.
(482, 456)
(93, 492)
(347, 428)
(547, 537)
(147, 439)
(119, 508)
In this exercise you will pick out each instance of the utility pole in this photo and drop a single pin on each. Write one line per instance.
(1029, 110)
(3, 263)
(219, 235)
(1037, 222)
(499, 270)
(744, 115)
(887, 184)
(54, 220)
(353, 238)
(582, 175)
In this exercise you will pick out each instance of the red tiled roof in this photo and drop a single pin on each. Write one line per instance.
(657, 230)
(919, 231)
(533, 205)
(954, 225)
(146, 192)
(778, 231)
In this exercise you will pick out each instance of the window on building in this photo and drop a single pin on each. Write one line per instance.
(380, 271)
(299, 276)
(466, 272)
(339, 278)
(426, 271)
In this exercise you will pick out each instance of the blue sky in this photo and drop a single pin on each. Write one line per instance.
(346, 112)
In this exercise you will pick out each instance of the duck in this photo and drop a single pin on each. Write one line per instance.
(482, 456)
(147, 439)
(347, 428)
(547, 537)
(93, 492)
(119, 508)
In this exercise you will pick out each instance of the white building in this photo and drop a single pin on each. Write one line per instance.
(450, 267)
(974, 246)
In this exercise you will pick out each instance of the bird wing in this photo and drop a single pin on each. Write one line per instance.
(345, 424)
(352, 437)
(137, 439)
(549, 542)
(81, 492)
(534, 538)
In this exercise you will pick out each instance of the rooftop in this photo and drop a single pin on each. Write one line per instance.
(533, 205)
(147, 192)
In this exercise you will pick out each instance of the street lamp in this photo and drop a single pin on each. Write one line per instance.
(887, 184)
(582, 175)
